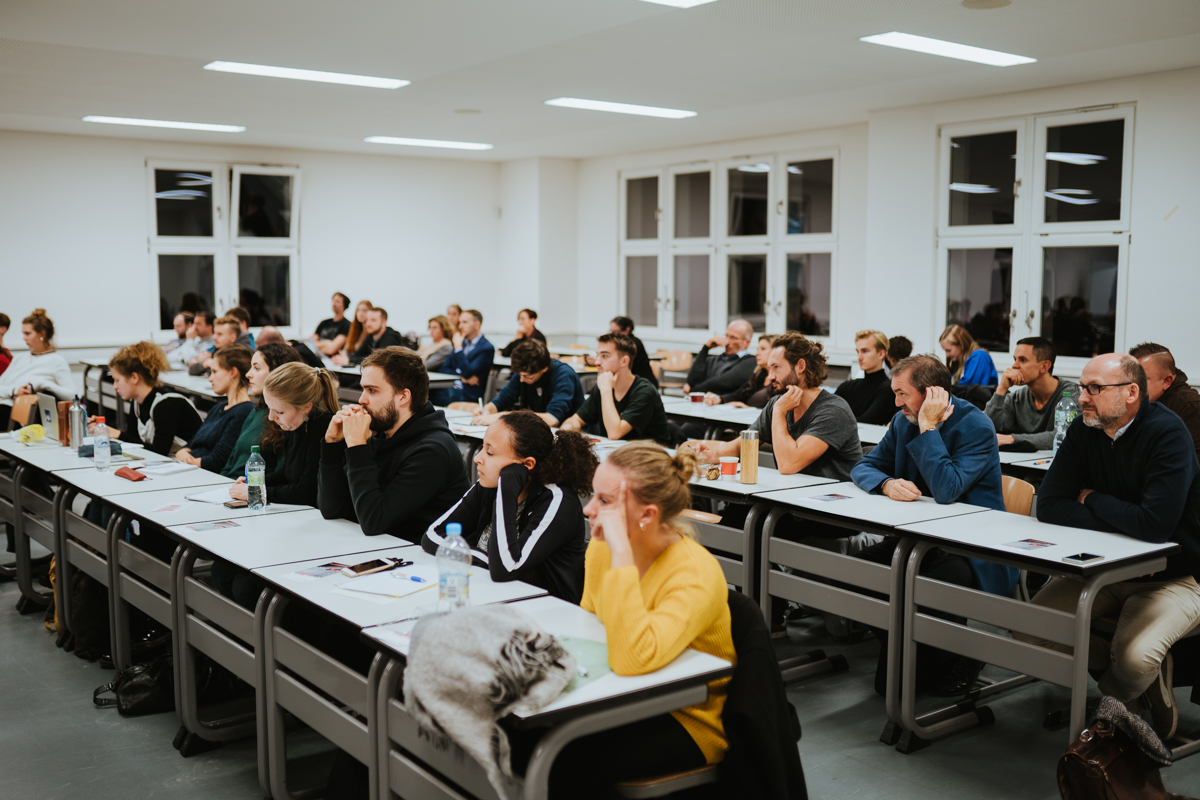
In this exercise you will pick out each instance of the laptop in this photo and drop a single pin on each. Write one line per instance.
(48, 414)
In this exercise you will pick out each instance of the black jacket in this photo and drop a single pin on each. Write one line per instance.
(506, 351)
(389, 338)
(870, 397)
(295, 483)
(718, 374)
(543, 546)
(641, 362)
(398, 485)
(1146, 484)
(763, 761)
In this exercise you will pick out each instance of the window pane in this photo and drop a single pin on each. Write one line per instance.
(266, 206)
(185, 283)
(979, 294)
(1083, 171)
(983, 171)
(183, 203)
(1079, 299)
(808, 291)
(810, 196)
(691, 204)
(641, 289)
(748, 290)
(748, 200)
(691, 292)
(265, 289)
(641, 208)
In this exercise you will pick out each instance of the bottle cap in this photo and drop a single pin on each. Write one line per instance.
(749, 434)
(454, 529)
(99, 419)
(253, 448)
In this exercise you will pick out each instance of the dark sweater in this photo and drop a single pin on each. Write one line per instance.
(641, 362)
(754, 392)
(295, 483)
(173, 417)
(1146, 484)
(389, 338)
(557, 393)
(1185, 402)
(720, 373)
(396, 485)
(543, 545)
(870, 397)
(215, 439)
(506, 351)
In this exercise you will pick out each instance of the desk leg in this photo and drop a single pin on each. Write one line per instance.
(260, 689)
(764, 563)
(29, 592)
(62, 496)
(375, 724)
(122, 649)
(1083, 642)
(895, 664)
(181, 567)
(389, 683)
(750, 564)
(276, 733)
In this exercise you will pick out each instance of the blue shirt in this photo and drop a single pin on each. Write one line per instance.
(979, 369)
(557, 393)
(473, 359)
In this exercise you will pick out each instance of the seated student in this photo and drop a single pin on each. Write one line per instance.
(225, 334)
(182, 323)
(1128, 466)
(870, 397)
(5, 353)
(198, 348)
(658, 593)
(1022, 409)
(376, 335)
(523, 518)
(454, 314)
(728, 370)
(390, 462)
(41, 369)
(245, 337)
(969, 363)
(257, 430)
(940, 446)
(269, 334)
(472, 361)
(357, 329)
(622, 406)
(757, 390)
(441, 343)
(899, 348)
(162, 421)
(526, 329)
(641, 362)
(1167, 385)
(210, 446)
(549, 388)
(330, 336)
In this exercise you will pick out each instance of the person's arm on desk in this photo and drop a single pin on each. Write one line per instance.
(877, 467)
(333, 489)
(948, 476)
(466, 513)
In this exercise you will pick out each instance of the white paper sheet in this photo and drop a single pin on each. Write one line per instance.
(218, 496)
(394, 583)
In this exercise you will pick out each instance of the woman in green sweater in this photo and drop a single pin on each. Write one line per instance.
(257, 429)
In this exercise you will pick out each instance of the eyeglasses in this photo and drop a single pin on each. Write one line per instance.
(1095, 388)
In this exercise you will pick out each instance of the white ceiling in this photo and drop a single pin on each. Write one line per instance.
(749, 67)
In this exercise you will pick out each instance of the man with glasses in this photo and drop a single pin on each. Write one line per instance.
(1127, 466)
(724, 372)
(549, 388)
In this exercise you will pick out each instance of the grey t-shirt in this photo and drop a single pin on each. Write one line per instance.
(829, 419)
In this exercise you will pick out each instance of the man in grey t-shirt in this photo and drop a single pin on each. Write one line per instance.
(1022, 409)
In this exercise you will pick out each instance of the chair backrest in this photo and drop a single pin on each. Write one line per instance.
(463, 405)
(1018, 495)
(677, 361)
(24, 411)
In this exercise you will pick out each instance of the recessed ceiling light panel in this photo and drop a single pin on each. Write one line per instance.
(679, 3)
(620, 108)
(427, 143)
(306, 75)
(939, 47)
(162, 123)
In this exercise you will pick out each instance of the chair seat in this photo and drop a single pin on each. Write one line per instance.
(666, 784)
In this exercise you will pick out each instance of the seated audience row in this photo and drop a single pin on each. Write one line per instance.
(41, 369)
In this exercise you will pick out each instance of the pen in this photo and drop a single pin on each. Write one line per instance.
(413, 578)
(1046, 461)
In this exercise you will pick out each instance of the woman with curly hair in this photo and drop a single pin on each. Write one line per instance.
(523, 519)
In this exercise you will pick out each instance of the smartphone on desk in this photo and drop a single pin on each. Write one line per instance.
(368, 567)
(236, 504)
(1082, 558)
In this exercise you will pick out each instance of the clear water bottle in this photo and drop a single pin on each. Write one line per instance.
(100, 448)
(256, 481)
(1065, 413)
(454, 569)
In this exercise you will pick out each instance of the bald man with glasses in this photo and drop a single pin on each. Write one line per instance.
(1127, 466)
(726, 371)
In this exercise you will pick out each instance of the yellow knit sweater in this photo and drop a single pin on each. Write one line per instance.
(681, 602)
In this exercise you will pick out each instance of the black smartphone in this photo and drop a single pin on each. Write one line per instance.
(367, 567)
(1082, 558)
(236, 504)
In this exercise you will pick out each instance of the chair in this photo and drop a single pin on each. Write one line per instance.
(673, 370)
(1018, 495)
(463, 405)
(24, 411)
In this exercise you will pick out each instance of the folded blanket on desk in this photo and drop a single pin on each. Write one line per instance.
(469, 668)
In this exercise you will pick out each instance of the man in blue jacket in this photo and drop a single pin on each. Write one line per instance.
(473, 361)
(547, 387)
(942, 447)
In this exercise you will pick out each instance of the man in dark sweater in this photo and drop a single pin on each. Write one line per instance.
(1127, 466)
(547, 387)
(1168, 385)
(870, 397)
(377, 336)
(391, 463)
(728, 370)
(641, 362)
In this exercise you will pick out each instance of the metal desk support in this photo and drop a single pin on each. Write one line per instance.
(24, 567)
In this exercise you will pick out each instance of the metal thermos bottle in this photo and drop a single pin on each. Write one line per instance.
(749, 456)
(78, 424)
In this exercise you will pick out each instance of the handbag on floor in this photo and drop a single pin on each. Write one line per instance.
(142, 689)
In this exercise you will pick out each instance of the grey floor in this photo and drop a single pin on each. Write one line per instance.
(55, 746)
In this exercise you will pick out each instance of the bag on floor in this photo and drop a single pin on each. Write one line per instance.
(1115, 758)
(142, 689)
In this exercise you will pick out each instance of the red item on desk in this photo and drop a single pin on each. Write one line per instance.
(129, 475)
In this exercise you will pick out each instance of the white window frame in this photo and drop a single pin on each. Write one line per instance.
(778, 301)
(289, 331)
(719, 299)
(662, 297)
(220, 280)
(220, 190)
(667, 204)
(722, 188)
(1023, 174)
(781, 193)
(623, 203)
(1018, 290)
(293, 237)
(671, 302)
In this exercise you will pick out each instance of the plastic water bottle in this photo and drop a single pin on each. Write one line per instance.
(256, 481)
(1065, 413)
(100, 449)
(454, 569)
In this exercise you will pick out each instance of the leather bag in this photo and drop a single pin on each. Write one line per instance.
(142, 689)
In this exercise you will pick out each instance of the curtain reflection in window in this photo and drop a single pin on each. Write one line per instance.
(1079, 299)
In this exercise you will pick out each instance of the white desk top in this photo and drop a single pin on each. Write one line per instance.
(684, 407)
(1040, 460)
(871, 434)
(266, 540)
(196, 384)
(769, 480)
(49, 456)
(875, 509)
(1020, 458)
(170, 507)
(93, 362)
(107, 484)
(454, 414)
(560, 618)
(442, 377)
(998, 531)
(364, 610)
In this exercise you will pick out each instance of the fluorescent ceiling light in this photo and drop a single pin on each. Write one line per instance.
(427, 143)
(680, 3)
(306, 75)
(1062, 195)
(160, 123)
(620, 108)
(755, 168)
(973, 188)
(1081, 159)
(939, 47)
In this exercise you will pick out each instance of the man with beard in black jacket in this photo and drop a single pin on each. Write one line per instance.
(390, 463)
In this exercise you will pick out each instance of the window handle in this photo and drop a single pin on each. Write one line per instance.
(1029, 319)
(1013, 315)
(779, 207)
(1016, 188)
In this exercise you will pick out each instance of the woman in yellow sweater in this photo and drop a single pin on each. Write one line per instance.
(658, 593)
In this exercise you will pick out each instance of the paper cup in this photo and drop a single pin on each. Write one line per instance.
(697, 397)
(729, 467)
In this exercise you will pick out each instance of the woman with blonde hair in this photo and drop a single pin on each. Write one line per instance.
(442, 345)
(355, 336)
(257, 430)
(163, 421)
(42, 369)
(968, 362)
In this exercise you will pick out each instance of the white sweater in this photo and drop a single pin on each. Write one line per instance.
(48, 372)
